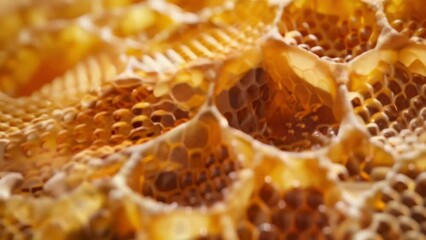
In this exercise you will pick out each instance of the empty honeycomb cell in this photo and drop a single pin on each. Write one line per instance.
(337, 36)
(407, 18)
(191, 166)
(361, 160)
(397, 209)
(206, 221)
(389, 100)
(286, 206)
(292, 109)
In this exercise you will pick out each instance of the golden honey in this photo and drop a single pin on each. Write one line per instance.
(213, 119)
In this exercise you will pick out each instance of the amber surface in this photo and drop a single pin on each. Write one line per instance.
(213, 119)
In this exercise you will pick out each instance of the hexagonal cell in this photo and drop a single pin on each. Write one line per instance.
(292, 199)
(338, 36)
(397, 209)
(407, 17)
(389, 97)
(191, 166)
(358, 159)
(88, 75)
(125, 111)
(131, 159)
(289, 100)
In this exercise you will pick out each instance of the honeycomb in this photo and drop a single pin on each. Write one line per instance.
(213, 119)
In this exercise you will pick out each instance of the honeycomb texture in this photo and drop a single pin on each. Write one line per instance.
(213, 119)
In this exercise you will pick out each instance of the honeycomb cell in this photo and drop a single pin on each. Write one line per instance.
(292, 108)
(360, 160)
(389, 100)
(212, 119)
(338, 36)
(286, 206)
(397, 209)
(123, 111)
(192, 166)
(407, 18)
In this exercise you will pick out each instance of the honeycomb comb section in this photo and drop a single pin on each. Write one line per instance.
(406, 17)
(390, 101)
(283, 205)
(338, 36)
(122, 112)
(265, 102)
(358, 159)
(212, 119)
(190, 167)
(396, 209)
